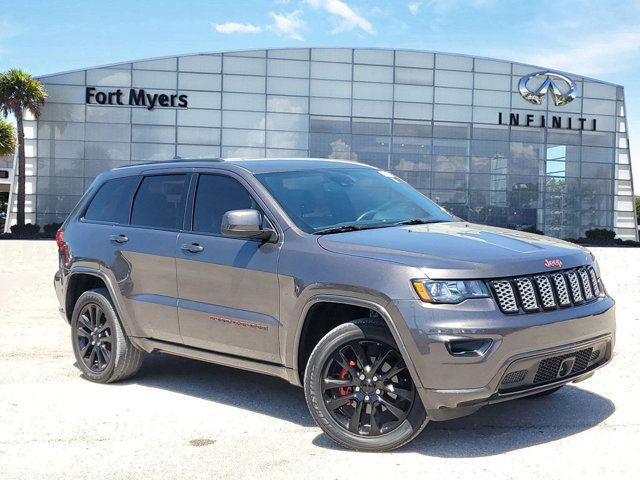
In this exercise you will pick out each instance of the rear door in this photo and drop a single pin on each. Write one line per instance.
(228, 287)
(142, 247)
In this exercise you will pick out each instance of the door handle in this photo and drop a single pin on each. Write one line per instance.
(193, 247)
(119, 238)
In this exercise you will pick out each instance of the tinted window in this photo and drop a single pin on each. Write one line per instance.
(216, 195)
(160, 202)
(112, 203)
(327, 198)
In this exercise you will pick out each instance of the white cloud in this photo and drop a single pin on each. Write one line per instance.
(235, 27)
(414, 7)
(594, 55)
(287, 24)
(347, 19)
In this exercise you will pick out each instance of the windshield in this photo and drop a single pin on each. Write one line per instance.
(319, 200)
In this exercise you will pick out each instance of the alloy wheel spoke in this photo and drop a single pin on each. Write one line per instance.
(361, 355)
(354, 421)
(395, 411)
(330, 383)
(82, 332)
(92, 357)
(344, 363)
(85, 321)
(375, 427)
(99, 319)
(393, 371)
(379, 361)
(99, 357)
(106, 354)
(334, 403)
(84, 349)
(400, 392)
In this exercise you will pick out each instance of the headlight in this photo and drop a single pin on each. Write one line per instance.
(449, 291)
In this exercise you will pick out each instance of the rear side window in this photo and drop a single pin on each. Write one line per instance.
(160, 201)
(216, 195)
(112, 203)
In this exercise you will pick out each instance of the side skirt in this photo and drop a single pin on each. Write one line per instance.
(150, 345)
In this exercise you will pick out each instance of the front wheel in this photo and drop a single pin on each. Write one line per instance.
(359, 390)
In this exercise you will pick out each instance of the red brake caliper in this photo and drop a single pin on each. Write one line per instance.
(342, 375)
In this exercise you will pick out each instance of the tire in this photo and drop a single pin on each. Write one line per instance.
(546, 393)
(102, 349)
(362, 420)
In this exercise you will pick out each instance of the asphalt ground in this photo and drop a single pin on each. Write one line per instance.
(180, 418)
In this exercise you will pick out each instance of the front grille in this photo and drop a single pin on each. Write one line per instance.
(515, 377)
(534, 293)
(549, 368)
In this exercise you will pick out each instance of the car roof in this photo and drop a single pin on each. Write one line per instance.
(258, 165)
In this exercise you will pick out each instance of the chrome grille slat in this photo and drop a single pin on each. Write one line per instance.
(574, 284)
(561, 289)
(505, 295)
(527, 294)
(546, 291)
(594, 281)
(586, 284)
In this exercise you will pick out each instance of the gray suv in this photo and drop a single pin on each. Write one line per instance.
(332, 275)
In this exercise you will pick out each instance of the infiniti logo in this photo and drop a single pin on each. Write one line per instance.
(561, 88)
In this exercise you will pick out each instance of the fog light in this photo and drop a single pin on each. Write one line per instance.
(469, 348)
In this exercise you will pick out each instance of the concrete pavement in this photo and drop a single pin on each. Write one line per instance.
(184, 419)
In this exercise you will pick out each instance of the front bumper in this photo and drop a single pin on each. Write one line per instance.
(453, 386)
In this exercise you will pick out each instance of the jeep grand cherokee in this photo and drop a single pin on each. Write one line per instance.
(332, 275)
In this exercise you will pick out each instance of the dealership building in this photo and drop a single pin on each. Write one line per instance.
(495, 142)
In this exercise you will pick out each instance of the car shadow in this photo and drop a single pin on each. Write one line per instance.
(492, 430)
(239, 388)
(509, 426)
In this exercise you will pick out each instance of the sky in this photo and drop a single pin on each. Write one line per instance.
(596, 38)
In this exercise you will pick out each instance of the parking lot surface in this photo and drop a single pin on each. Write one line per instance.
(180, 418)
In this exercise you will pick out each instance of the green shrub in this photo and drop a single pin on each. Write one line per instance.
(28, 229)
(51, 228)
(600, 235)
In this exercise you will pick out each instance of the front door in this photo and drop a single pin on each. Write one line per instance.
(227, 287)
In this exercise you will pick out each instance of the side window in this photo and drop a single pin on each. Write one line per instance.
(112, 203)
(216, 195)
(160, 202)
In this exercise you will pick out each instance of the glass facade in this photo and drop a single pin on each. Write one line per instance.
(455, 127)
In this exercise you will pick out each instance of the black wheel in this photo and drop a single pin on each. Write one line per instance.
(546, 393)
(103, 352)
(359, 390)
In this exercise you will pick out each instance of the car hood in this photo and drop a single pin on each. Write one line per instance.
(459, 250)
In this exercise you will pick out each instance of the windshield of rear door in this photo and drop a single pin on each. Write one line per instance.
(326, 198)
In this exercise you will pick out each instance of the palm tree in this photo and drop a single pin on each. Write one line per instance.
(7, 138)
(19, 93)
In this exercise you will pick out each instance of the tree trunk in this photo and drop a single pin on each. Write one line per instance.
(21, 169)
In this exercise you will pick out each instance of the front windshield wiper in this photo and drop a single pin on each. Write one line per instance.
(347, 228)
(418, 221)
(353, 228)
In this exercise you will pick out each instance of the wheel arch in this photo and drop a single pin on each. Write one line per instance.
(82, 279)
(379, 312)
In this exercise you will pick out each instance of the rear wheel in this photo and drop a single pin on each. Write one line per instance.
(359, 390)
(103, 352)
